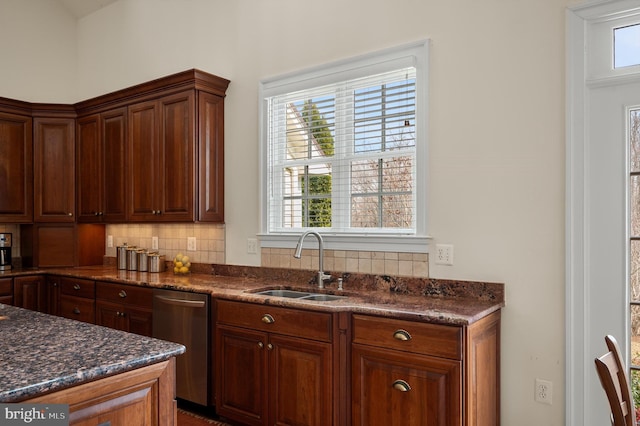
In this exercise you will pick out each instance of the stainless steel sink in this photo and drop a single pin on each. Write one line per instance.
(302, 295)
(322, 297)
(292, 294)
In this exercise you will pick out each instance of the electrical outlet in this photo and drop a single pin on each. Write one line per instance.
(191, 243)
(110, 241)
(544, 391)
(154, 243)
(252, 246)
(444, 254)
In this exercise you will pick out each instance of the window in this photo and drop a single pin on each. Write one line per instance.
(344, 151)
(626, 46)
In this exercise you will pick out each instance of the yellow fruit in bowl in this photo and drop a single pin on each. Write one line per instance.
(176, 270)
(184, 270)
(178, 264)
(185, 260)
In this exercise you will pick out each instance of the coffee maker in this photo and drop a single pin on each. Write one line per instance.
(5, 251)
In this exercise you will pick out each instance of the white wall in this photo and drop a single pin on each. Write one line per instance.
(496, 160)
(37, 51)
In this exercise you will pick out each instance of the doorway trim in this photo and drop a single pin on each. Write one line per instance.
(579, 371)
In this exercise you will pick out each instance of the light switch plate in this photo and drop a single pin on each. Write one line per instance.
(154, 243)
(191, 243)
(110, 241)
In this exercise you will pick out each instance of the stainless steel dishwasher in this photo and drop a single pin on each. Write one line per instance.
(183, 317)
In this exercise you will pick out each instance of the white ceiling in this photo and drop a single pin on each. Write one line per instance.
(82, 8)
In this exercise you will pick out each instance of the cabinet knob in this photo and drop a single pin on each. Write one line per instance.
(401, 385)
(70, 214)
(270, 346)
(268, 319)
(260, 345)
(401, 335)
(122, 294)
(76, 311)
(76, 287)
(55, 284)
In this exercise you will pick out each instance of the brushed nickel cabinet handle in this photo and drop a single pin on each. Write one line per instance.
(270, 346)
(76, 311)
(70, 214)
(268, 319)
(402, 335)
(122, 294)
(260, 345)
(76, 287)
(401, 385)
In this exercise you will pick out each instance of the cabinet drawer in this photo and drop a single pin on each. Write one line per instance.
(6, 287)
(127, 294)
(291, 322)
(430, 339)
(78, 287)
(78, 308)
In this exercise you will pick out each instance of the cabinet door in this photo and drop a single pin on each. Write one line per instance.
(89, 169)
(16, 169)
(300, 378)
(403, 389)
(177, 140)
(143, 161)
(54, 170)
(138, 321)
(210, 157)
(110, 315)
(114, 187)
(241, 375)
(30, 293)
(53, 295)
(162, 159)
(6, 291)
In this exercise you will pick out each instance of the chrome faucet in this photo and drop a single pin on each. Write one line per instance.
(321, 275)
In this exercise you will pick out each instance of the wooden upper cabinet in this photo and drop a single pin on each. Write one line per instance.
(16, 169)
(161, 159)
(100, 163)
(211, 157)
(54, 169)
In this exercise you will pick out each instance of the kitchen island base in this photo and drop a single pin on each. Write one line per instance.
(141, 397)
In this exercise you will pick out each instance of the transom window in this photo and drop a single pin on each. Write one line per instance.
(344, 147)
(626, 46)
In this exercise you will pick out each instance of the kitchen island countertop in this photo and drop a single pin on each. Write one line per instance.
(41, 353)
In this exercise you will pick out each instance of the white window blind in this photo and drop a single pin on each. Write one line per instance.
(342, 148)
(342, 156)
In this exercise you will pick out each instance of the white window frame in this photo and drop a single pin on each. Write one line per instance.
(413, 54)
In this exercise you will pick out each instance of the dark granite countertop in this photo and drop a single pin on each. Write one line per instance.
(40, 353)
(419, 299)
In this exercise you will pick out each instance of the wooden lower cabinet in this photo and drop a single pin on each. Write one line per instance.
(273, 377)
(124, 307)
(411, 373)
(77, 299)
(30, 293)
(143, 397)
(6, 291)
(404, 389)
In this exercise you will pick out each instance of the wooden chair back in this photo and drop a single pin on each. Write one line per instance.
(615, 382)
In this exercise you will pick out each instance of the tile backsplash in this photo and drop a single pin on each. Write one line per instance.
(363, 262)
(210, 248)
(172, 239)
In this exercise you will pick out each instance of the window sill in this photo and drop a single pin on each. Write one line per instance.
(351, 242)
